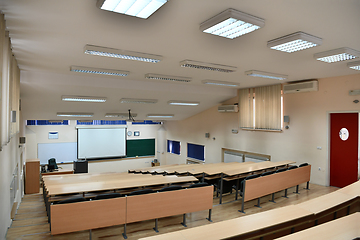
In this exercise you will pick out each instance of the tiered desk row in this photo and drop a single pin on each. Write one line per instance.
(332, 216)
(90, 213)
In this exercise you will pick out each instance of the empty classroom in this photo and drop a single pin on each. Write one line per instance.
(201, 109)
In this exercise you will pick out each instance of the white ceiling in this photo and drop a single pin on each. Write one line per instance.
(49, 36)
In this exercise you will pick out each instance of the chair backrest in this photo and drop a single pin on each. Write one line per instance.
(72, 200)
(52, 164)
(196, 185)
(242, 184)
(108, 195)
(292, 167)
(267, 173)
(281, 170)
(140, 192)
(252, 176)
(171, 188)
(303, 164)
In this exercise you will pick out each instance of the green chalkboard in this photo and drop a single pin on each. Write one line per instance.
(140, 147)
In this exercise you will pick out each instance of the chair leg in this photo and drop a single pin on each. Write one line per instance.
(242, 205)
(258, 203)
(124, 233)
(297, 189)
(307, 186)
(184, 220)
(209, 218)
(285, 194)
(272, 198)
(156, 225)
(90, 234)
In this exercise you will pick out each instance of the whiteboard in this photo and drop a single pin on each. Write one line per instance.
(62, 152)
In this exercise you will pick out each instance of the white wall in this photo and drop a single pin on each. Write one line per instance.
(308, 128)
(9, 158)
(67, 133)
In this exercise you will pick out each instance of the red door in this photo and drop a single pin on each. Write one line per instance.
(344, 130)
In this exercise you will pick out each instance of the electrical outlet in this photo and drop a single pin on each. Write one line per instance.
(319, 148)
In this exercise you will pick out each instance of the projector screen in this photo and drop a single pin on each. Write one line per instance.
(95, 143)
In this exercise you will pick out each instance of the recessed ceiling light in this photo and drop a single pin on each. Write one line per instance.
(183, 103)
(255, 73)
(74, 114)
(354, 65)
(231, 24)
(294, 42)
(337, 55)
(137, 8)
(120, 115)
(207, 66)
(118, 53)
(83, 99)
(167, 78)
(138, 100)
(220, 83)
(100, 71)
(160, 116)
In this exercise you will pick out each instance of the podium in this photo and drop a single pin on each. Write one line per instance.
(81, 166)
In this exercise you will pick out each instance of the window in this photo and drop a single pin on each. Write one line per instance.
(47, 122)
(101, 122)
(261, 108)
(173, 147)
(196, 151)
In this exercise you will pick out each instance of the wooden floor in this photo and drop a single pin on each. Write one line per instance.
(31, 221)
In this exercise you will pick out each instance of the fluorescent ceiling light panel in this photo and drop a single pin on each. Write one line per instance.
(118, 53)
(354, 65)
(220, 83)
(83, 99)
(207, 66)
(136, 8)
(138, 100)
(160, 116)
(100, 71)
(183, 103)
(120, 115)
(255, 73)
(74, 114)
(167, 78)
(337, 55)
(231, 24)
(294, 42)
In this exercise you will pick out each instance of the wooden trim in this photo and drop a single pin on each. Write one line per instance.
(164, 204)
(87, 215)
(266, 185)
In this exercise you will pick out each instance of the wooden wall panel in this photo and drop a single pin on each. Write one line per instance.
(163, 204)
(263, 186)
(80, 216)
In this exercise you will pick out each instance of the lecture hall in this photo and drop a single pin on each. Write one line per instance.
(179, 119)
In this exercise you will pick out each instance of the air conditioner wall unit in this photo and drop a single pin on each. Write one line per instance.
(228, 108)
(306, 86)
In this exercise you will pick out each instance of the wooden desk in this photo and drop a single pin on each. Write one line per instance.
(325, 202)
(239, 226)
(60, 171)
(352, 189)
(343, 228)
(246, 169)
(113, 182)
